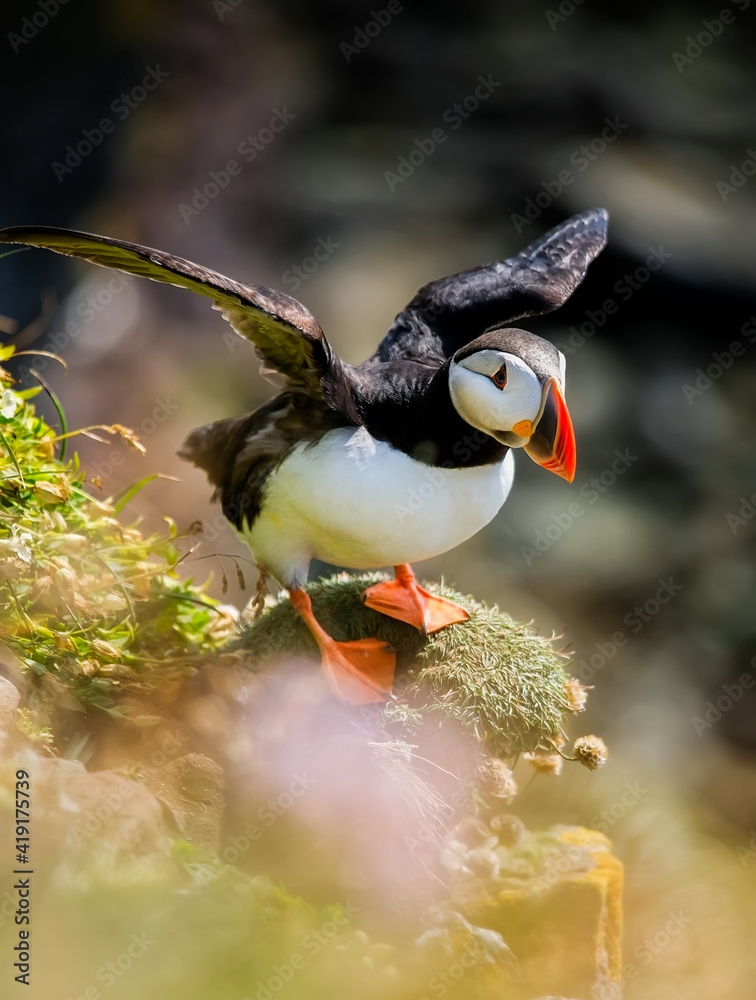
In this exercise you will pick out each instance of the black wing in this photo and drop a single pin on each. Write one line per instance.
(449, 313)
(286, 335)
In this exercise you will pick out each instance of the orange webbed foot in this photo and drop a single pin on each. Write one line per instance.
(359, 672)
(404, 599)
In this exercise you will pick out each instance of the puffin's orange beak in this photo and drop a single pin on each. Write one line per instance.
(552, 443)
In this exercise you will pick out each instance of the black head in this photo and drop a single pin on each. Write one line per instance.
(510, 384)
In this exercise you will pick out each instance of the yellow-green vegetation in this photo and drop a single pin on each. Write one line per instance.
(91, 608)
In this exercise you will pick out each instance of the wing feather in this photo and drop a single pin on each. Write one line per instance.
(448, 313)
(286, 335)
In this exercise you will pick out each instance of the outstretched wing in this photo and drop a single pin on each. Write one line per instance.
(449, 313)
(286, 335)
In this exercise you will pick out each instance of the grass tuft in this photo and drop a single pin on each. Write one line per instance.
(493, 676)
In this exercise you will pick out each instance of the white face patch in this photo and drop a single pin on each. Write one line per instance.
(491, 409)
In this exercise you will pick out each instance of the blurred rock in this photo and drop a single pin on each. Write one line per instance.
(563, 919)
(192, 788)
(90, 828)
(9, 701)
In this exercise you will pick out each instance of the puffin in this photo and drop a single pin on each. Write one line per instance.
(329, 468)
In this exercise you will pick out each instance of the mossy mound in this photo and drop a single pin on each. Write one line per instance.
(491, 675)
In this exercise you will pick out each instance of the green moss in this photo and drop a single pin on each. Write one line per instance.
(492, 675)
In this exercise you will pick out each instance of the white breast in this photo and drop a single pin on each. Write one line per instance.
(357, 502)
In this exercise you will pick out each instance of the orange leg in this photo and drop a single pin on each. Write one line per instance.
(359, 672)
(405, 599)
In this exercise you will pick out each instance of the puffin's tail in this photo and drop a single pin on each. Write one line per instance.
(213, 448)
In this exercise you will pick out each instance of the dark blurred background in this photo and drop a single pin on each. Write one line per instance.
(124, 119)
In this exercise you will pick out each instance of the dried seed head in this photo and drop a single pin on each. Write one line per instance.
(546, 763)
(577, 694)
(496, 779)
(112, 602)
(106, 649)
(509, 829)
(129, 437)
(471, 831)
(12, 569)
(65, 580)
(590, 751)
(482, 862)
(52, 490)
(71, 544)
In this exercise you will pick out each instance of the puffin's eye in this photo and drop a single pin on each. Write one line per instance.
(500, 378)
